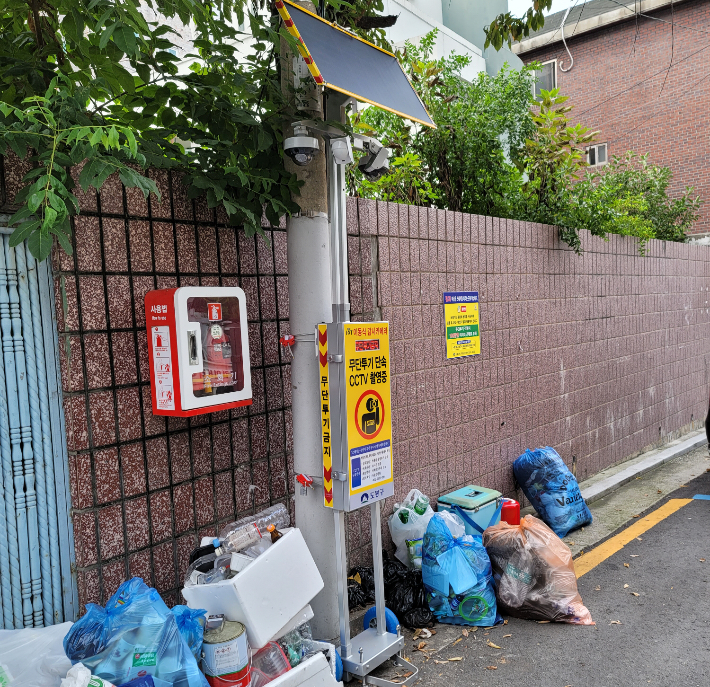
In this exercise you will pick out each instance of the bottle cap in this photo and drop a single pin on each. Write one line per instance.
(271, 528)
(215, 543)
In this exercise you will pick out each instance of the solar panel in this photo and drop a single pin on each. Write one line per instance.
(346, 63)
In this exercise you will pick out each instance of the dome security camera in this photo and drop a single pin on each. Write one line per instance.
(301, 148)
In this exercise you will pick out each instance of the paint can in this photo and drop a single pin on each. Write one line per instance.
(225, 656)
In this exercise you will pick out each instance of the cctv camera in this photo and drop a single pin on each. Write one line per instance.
(375, 164)
(342, 150)
(301, 149)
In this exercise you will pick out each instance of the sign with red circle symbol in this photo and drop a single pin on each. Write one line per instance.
(369, 414)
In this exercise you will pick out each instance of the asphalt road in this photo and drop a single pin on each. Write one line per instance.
(660, 637)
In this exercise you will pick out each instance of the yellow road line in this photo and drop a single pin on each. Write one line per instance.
(587, 561)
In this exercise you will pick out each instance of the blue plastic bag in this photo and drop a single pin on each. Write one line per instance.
(191, 623)
(457, 576)
(136, 635)
(552, 489)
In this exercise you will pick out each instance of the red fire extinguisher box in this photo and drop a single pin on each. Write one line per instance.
(198, 343)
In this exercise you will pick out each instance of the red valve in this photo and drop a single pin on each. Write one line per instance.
(304, 480)
(288, 341)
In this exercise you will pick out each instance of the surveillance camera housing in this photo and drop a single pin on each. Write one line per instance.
(342, 151)
(301, 149)
(375, 164)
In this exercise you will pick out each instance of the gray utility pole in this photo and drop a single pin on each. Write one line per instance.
(310, 303)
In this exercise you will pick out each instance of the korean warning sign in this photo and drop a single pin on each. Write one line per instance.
(368, 411)
(325, 402)
(461, 322)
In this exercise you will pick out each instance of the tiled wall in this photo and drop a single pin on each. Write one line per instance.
(598, 355)
(143, 487)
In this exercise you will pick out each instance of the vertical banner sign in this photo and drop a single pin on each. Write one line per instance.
(369, 412)
(461, 321)
(325, 415)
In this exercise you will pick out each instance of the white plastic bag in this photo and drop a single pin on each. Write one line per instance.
(34, 657)
(414, 528)
(80, 676)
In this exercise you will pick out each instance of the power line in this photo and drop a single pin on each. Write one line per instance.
(654, 115)
(648, 78)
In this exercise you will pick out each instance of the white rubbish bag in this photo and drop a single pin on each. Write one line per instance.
(413, 529)
(34, 657)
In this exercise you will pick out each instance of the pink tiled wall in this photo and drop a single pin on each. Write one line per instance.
(598, 355)
(145, 488)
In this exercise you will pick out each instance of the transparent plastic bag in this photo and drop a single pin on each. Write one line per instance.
(413, 529)
(457, 576)
(552, 489)
(296, 643)
(141, 636)
(191, 624)
(34, 657)
(534, 573)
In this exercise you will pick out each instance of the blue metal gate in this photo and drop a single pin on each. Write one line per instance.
(36, 541)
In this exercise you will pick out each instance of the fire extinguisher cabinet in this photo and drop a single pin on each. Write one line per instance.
(198, 344)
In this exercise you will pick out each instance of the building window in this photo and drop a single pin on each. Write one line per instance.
(596, 155)
(546, 78)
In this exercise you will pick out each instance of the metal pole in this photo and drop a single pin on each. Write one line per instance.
(309, 304)
(377, 566)
(341, 563)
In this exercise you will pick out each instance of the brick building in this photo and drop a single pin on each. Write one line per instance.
(640, 77)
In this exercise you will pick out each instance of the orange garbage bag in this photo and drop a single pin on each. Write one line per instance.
(534, 573)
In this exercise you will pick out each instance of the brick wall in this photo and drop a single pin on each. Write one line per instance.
(598, 355)
(620, 85)
(145, 487)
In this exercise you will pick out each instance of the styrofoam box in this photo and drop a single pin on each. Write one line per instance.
(313, 672)
(267, 594)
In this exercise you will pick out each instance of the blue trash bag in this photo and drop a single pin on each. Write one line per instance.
(552, 489)
(457, 577)
(137, 635)
(191, 623)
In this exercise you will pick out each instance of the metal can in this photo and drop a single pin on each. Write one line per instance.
(225, 656)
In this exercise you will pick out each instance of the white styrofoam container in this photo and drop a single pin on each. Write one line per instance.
(268, 593)
(313, 672)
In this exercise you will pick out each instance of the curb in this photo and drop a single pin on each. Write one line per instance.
(607, 485)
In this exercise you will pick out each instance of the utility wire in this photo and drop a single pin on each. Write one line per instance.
(638, 83)
(670, 64)
(655, 114)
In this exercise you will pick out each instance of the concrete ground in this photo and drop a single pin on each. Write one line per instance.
(654, 632)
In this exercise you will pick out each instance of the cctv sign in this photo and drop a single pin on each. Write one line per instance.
(368, 412)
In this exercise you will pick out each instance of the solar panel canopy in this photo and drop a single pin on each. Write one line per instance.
(355, 67)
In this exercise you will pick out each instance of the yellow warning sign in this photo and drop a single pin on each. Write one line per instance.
(461, 322)
(369, 412)
(326, 436)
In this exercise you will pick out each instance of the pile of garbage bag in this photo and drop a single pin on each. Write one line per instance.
(136, 634)
(534, 573)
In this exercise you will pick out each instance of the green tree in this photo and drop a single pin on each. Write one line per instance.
(469, 159)
(94, 82)
(629, 196)
(506, 28)
(552, 161)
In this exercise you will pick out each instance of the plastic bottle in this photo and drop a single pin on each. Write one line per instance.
(421, 505)
(240, 539)
(274, 515)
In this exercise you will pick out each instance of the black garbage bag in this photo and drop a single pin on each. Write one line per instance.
(405, 595)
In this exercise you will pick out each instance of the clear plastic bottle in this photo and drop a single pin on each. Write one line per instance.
(274, 515)
(208, 569)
